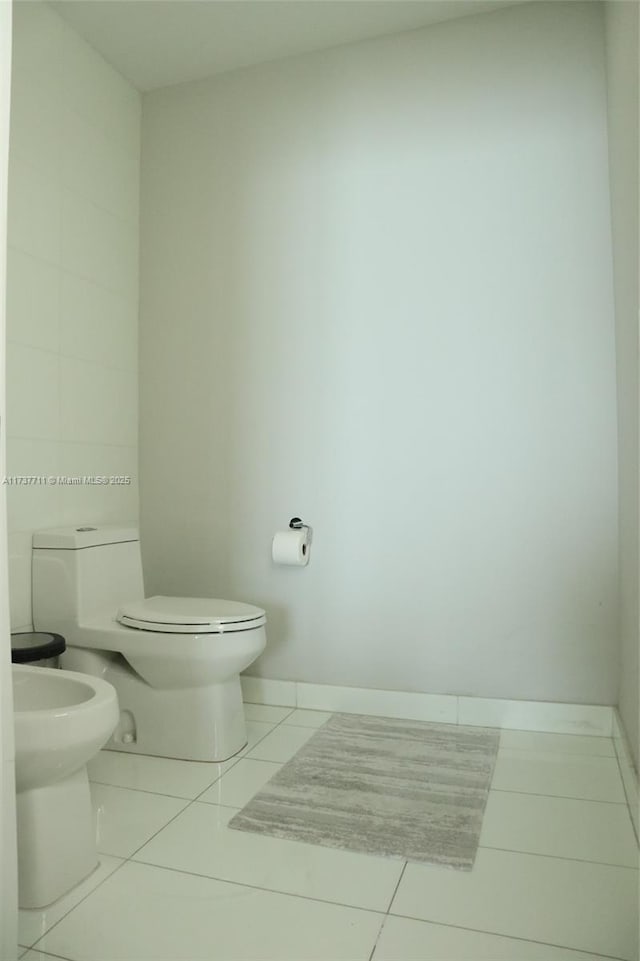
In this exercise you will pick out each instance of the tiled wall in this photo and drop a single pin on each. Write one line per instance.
(72, 299)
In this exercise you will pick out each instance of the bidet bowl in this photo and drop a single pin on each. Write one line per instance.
(61, 720)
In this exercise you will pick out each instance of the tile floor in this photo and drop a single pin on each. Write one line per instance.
(555, 878)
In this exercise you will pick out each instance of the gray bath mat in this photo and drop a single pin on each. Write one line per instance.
(403, 789)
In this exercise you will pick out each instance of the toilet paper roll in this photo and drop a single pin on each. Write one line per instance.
(291, 547)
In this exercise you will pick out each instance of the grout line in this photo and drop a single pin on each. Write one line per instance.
(69, 443)
(258, 760)
(624, 788)
(527, 730)
(277, 723)
(128, 296)
(258, 887)
(60, 354)
(548, 755)
(525, 751)
(305, 727)
(395, 890)
(283, 707)
(573, 755)
(141, 790)
(189, 804)
(513, 937)
(219, 804)
(155, 833)
(174, 797)
(375, 943)
(558, 857)
(569, 749)
(46, 954)
(564, 797)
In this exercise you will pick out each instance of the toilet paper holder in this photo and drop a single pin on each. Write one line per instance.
(292, 547)
(296, 524)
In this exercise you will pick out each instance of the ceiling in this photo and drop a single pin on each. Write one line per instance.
(155, 43)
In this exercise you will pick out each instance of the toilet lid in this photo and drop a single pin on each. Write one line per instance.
(190, 615)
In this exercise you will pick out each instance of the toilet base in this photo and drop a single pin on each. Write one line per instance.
(199, 724)
(56, 839)
(191, 724)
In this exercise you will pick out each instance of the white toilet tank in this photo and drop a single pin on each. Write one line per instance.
(80, 572)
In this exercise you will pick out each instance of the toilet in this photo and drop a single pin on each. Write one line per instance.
(174, 661)
(61, 721)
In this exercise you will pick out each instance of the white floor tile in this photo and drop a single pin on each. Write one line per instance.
(560, 743)
(200, 841)
(32, 923)
(406, 940)
(126, 819)
(573, 904)
(302, 718)
(282, 743)
(240, 784)
(149, 914)
(265, 713)
(160, 775)
(560, 827)
(559, 775)
(550, 799)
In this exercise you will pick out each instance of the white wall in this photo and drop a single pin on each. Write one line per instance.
(72, 286)
(8, 865)
(622, 85)
(376, 292)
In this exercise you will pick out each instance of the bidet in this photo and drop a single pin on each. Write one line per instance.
(62, 719)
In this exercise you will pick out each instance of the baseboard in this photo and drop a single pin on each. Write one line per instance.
(549, 717)
(260, 690)
(627, 769)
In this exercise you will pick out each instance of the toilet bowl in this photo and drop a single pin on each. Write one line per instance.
(174, 661)
(61, 719)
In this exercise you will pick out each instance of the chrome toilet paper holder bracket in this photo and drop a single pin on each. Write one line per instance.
(297, 524)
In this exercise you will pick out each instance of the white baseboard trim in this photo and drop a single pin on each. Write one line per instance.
(260, 690)
(549, 717)
(627, 769)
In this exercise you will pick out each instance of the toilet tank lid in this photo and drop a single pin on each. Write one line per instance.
(85, 535)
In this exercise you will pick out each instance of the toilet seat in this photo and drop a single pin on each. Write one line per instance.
(190, 615)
